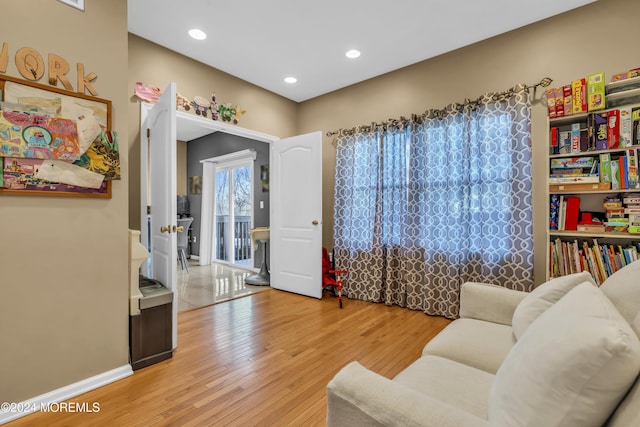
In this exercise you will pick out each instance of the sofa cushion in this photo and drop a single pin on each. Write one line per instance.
(543, 297)
(623, 289)
(453, 383)
(571, 368)
(476, 343)
(628, 414)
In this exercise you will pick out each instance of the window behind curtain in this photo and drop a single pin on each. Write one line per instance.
(425, 206)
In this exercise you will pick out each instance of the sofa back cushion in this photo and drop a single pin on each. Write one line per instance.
(543, 297)
(628, 413)
(572, 367)
(623, 289)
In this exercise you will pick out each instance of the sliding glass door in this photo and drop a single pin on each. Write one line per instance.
(233, 213)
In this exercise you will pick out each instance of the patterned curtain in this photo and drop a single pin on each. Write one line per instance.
(425, 205)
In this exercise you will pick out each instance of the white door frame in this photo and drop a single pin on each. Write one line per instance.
(207, 216)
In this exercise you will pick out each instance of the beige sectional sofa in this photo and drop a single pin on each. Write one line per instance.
(566, 354)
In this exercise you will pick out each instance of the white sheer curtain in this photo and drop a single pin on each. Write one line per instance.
(423, 206)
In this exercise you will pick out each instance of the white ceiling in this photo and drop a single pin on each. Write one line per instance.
(262, 42)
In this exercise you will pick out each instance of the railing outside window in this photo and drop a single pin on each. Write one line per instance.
(241, 244)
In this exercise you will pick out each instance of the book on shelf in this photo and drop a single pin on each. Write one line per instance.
(632, 163)
(600, 260)
(554, 148)
(553, 211)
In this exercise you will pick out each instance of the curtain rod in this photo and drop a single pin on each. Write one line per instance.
(467, 102)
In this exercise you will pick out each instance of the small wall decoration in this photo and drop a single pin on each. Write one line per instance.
(264, 177)
(78, 4)
(195, 185)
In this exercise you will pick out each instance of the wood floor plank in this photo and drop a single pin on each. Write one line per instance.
(264, 359)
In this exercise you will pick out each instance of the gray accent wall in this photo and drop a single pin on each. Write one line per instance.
(218, 144)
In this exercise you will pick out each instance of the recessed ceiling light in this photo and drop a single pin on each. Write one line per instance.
(290, 80)
(352, 54)
(197, 34)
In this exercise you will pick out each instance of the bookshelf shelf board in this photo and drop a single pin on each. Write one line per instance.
(592, 153)
(571, 118)
(626, 190)
(622, 85)
(587, 234)
(625, 97)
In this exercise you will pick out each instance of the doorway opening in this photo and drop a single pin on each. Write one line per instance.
(233, 214)
(228, 213)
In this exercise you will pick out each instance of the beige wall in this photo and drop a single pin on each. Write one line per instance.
(153, 64)
(63, 261)
(598, 37)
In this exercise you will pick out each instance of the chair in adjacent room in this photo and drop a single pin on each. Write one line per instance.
(185, 223)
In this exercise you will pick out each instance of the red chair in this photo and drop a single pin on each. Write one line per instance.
(330, 277)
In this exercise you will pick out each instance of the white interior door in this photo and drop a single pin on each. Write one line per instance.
(296, 216)
(161, 122)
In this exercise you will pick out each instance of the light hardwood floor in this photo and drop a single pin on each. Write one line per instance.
(261, 360)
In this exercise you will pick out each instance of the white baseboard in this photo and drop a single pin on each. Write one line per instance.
(65, 393)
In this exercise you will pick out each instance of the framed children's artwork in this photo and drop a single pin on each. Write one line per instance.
(41, 125)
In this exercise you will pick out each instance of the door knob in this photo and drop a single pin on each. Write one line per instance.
(314, 222)
(164, 229)
(180, 229)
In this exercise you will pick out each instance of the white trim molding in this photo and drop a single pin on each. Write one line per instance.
(64, 393)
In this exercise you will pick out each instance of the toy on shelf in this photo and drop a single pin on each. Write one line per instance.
(147, 92)
(214, 107)
(237, 112)
(182, 103)
(230, 114)
(200, 105)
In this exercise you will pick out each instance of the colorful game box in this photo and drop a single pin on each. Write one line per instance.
(600, 131)
(579, 94)
(559, 102)
(626, 128)
(613, 128)
(568, 100)
(595, 92)
(551, 103)
(575, 137)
